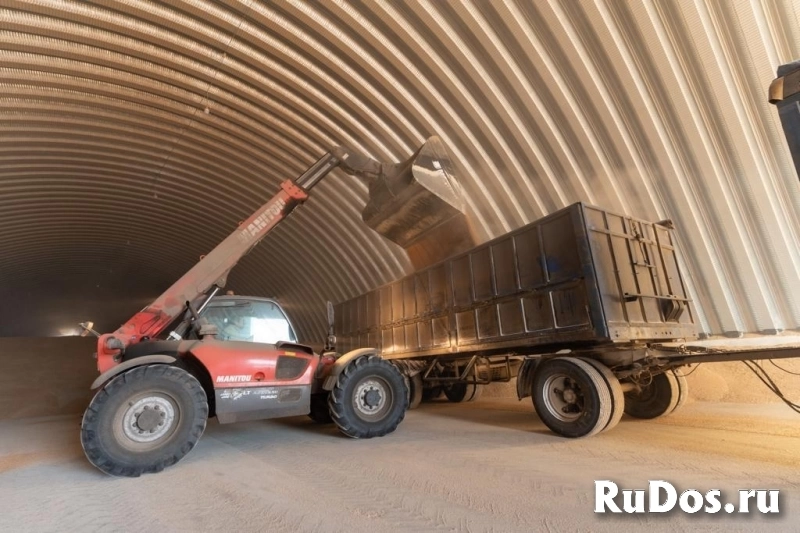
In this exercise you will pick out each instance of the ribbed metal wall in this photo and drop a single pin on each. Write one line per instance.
(134, 135)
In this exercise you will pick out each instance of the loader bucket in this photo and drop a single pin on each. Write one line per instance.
(784, 92)
(419, 205)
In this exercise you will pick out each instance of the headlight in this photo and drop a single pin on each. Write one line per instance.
(113, 343)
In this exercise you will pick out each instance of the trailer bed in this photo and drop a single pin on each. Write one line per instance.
(753, 348)
(582, 276)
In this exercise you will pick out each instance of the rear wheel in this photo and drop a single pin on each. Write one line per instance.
(431, 393)
(658, 398)
(571, 397)
(369, 399)
(683, 389)
(144, 420)
(414, 391)
(614, 387)
(462, 392)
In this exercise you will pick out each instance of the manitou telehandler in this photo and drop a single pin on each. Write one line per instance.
(237, 358)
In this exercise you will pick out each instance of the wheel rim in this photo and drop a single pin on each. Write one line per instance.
(645, 394)
(146, 421)
(563, 397)
(373, 399)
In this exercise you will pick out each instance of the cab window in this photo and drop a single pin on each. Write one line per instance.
(251, 321)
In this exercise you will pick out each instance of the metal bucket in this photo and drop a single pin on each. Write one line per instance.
(784, 92)
(419, 205)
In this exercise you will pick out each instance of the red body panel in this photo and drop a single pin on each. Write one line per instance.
(247, 364)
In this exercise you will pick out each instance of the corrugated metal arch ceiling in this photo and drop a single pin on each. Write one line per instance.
(134, 135)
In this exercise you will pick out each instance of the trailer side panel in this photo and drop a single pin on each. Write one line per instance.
(578, 276)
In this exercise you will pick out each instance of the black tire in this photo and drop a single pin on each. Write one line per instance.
(414, 391)
(431, 393)
(462, 392)
(617, 396)
(369, 399)
(683, 389)
(123, 432)
(320, 412)
(571, 397)
(658, 398)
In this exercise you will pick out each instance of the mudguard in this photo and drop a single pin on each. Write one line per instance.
(132, 363)
(342, 362)
(525, 378)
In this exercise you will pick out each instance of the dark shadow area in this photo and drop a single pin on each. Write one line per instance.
(45, 376)
(490, 411)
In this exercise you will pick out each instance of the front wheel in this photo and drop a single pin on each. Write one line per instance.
(144, 420)
(615, 388)
(572, 397)
(369, 399)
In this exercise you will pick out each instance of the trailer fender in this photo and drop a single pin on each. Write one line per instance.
(133, 363)
(342, 362)
(525, 378)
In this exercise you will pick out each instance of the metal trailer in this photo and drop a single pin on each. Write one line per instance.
(587, 308)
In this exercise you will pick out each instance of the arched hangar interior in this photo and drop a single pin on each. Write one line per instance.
(135, 134)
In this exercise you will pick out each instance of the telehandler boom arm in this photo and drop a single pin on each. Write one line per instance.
(213, 268)
(413, 203)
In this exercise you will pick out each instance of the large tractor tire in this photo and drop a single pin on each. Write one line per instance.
(572, 397)
(659, 398)
(369, 398)
(144, 420)
(320, 412)
(462, 392)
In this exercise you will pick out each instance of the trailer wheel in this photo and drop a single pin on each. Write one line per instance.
(683, 389)
(415, 391)
(659, 398)
(369, 399)
(617, 396)
(320, 412)
(144, 420)
(572, 397)
(462, 392)
(431, 393)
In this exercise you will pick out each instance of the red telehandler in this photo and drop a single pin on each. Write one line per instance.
(237, 358)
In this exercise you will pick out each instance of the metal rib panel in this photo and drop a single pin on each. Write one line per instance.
(138, 132)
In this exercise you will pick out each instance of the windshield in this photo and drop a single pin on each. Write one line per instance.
(249, 320)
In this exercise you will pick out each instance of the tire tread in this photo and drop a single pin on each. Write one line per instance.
(614, 387)
(596, 380)
(92, 419)
(338, 402)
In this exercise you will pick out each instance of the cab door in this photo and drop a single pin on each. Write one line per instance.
(254, 375)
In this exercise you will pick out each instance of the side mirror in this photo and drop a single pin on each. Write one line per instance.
(87, 329)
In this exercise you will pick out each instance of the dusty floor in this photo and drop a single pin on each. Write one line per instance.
(487, 466)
